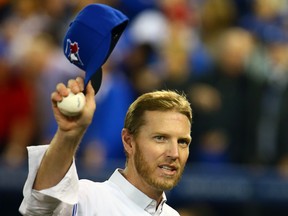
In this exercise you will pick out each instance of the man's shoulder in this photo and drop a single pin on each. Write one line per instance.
(89, 184)
(93, 193)
(169, 211)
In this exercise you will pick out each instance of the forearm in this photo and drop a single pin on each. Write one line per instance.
(59, 155)
(57, 159)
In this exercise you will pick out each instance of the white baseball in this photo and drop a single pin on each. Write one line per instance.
(73, 104)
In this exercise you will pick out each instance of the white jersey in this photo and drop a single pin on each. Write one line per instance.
(72, 196)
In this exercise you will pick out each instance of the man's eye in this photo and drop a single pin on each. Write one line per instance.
(184, 142)
(159, 138)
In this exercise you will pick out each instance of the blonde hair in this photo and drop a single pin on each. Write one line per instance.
(165, 100)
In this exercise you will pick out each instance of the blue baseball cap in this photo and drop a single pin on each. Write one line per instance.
(91, 38)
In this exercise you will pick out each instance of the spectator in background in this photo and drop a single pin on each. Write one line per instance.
(140, 66)
(160, 54)
(272, 119)
(175, 57)
(178, 44)
(46, 64)
(17, 113)
(142, 63)
(267, 20)
(223, 102)
(215, 17)
(57, 15)
(21, 26)
(268, 66)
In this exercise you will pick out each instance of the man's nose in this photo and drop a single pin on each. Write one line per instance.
(173, 150)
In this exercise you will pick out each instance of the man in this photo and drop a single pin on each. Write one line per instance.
(156, 138)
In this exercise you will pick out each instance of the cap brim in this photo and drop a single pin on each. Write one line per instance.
(96, 80)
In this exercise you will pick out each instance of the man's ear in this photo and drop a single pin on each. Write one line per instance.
(127, 140)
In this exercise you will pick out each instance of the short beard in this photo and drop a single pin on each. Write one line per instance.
(146, 171)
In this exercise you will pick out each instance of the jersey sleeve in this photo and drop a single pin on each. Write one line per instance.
(57, 200)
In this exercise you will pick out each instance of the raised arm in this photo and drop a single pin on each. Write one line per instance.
(59, 156)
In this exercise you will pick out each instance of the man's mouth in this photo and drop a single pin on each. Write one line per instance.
(168, 169)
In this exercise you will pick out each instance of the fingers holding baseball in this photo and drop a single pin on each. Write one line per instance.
(80, 82)
(74, 86)
(71, 101)
(60, 92)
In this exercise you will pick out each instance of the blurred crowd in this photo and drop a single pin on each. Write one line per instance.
(229, 57)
